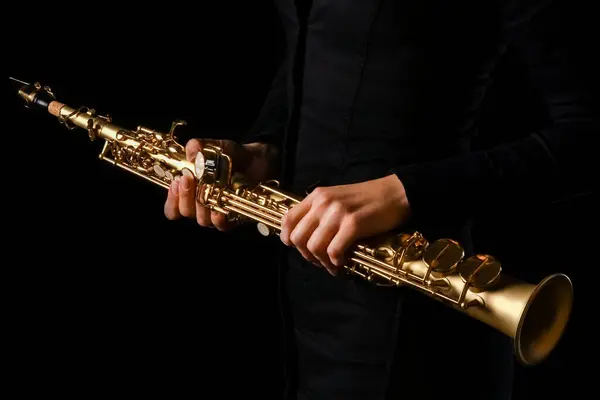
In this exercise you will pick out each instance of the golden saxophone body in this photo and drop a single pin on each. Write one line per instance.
(534, 315)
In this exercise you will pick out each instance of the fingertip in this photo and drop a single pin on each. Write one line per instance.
(174, 189)
(171, 211)
(186, 196)
(283, 236)
(186, 183)
(192, 147)
(203, 216)
(170, 208)
(220, 221)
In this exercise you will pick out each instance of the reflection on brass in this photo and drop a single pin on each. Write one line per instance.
(443, 256)
(535, 316)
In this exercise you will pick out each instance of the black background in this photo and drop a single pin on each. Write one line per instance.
(105, 295)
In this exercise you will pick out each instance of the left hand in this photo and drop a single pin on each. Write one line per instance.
(329, 220)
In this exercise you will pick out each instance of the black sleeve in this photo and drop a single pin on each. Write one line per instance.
(273, 116)
(543, 166)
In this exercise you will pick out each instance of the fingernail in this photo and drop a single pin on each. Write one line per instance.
(185, 183)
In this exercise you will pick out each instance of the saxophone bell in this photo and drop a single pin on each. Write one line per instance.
(541, 322)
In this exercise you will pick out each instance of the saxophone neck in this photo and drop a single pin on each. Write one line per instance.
(34, 94)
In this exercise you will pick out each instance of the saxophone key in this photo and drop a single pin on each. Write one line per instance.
(480, 272)
(443, 256)
(187, 172)
(264, 229)
(159, 171)
(438, 283)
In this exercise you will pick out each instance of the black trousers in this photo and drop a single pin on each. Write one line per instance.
(351, 340)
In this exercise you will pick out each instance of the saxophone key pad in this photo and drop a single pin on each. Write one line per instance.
(443, 256)
(263, 229)
(159, 171)
(481, 271)
(187, 172)
(199, 165)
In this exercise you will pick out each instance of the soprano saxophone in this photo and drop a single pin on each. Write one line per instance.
(534, 316)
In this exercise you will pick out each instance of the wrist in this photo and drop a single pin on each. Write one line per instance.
(261, 150)
(396, 192)
(261, 159)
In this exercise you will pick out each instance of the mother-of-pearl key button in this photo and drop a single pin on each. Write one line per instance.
(159, 171)
(199, 165)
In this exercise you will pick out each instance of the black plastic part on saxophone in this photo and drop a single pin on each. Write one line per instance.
(35, 97)
(41, 99)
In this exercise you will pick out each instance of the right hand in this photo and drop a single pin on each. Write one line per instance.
(255, 160)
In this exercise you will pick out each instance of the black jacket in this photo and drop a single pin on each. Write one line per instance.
(373, 87)
(370, 87)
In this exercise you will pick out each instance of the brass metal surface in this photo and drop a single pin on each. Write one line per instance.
(534, 315)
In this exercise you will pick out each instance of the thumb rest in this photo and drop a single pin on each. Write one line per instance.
(534, 316)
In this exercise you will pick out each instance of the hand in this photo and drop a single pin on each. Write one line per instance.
(330, 219)
(254, 160)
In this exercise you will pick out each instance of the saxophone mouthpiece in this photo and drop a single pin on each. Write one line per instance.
(35, 95)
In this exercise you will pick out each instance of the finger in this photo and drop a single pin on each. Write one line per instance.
(319, 242)
(187, 192)
(203, 215)
(192, 148)
(203, 212)
(344, 238)
(171, 208)
(302, 233)
(292, 217)
(220, 221)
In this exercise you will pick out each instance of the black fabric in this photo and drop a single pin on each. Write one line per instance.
(373, 87)
(353, 340)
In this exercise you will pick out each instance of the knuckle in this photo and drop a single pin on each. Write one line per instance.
(295, 237)
(322, 195)
(318, 191)
(314, 247)
(334, 253)
(338, 207)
